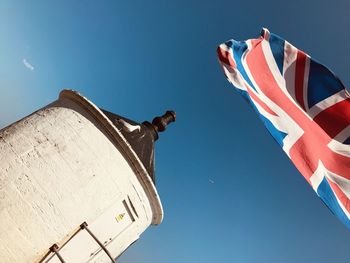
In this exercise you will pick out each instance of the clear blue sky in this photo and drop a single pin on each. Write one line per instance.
(139, 58)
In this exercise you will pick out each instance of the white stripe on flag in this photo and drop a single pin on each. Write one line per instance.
(306, 81)
(337, 144)
(321, 173)
(289, 65)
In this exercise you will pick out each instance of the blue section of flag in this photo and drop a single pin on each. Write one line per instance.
(326, 194)
(322, 83)
(239, 47)
(347, 141)
(276, 134)
(277, 48)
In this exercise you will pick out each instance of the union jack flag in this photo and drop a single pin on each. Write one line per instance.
(303, 105)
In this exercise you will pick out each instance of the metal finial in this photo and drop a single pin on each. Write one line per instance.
(159, 124)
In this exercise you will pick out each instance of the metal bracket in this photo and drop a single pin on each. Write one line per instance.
(54, 249)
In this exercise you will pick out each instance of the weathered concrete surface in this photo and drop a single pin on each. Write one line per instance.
(64, 165)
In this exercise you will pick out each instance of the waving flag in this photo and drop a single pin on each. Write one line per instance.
(303, 105)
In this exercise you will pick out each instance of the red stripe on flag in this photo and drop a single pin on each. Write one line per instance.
(225, 57)
(335, 118)
(299, 78)
(260, 102)
(255, 42)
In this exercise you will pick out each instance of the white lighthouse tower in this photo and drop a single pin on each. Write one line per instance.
(76, 183)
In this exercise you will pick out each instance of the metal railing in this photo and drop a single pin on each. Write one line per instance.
(84, 226)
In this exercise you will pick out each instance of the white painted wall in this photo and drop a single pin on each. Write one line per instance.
(64, 165)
